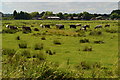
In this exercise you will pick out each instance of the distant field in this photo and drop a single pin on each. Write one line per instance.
(70, 52)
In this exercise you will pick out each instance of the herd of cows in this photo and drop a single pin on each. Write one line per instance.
(58, 26)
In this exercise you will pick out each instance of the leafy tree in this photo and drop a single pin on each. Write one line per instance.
(14, 13)
(47, 13)
(114, 16)
(60, 14)
(34, 14)
(87, 16)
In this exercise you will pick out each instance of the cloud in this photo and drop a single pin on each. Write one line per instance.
(60, 0)
(70, 7)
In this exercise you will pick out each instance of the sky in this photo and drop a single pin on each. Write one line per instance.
(69, 6)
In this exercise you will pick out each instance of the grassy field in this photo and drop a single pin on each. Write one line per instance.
(68, 53)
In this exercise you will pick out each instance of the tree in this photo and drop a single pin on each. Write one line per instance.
(47, 13)
(14, 13)
(114, 16)
(34, 14)
(86, 16)
(60, 14)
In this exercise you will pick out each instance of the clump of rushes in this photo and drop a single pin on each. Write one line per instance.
(84, 41)
(18, 37)
(57, 42)
(23, 45)
(38, 46)
(87, 48)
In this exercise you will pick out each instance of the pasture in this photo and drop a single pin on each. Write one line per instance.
(66, 48)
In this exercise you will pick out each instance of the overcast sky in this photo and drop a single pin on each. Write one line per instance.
(70, 6)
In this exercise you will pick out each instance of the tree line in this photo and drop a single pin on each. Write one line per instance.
(115, 14)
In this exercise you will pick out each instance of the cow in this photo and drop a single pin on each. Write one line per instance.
(73, 26)
(41, 25)
(11, 27)
(47, 26)
(98, 26)
(107, 25)
(84, 27)
(78, 24)
(26, 28)
(59, 26)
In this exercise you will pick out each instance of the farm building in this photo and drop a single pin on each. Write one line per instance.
(53, 17)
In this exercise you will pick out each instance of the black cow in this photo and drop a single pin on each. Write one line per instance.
(26, 28)
(59, 26)
(47, 26)
(98, 26)
(11, 27)
(73, 26)
(107, 25)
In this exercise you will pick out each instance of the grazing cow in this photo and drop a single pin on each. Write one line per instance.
(78, 24)
(73, 26)
(11, 27)
(41, 25)
(98, 26)
(84, 27)
(59, 26)
(107, 25)
(47, 26)
(26, 28)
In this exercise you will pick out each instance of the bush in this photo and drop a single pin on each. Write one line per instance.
(95, 33)
(84, 41)
(23, 45)
(87, 48)
(57, 42)
(9, 52)
(26, 53)
(18, 37)
(50, 52)
(38, 46)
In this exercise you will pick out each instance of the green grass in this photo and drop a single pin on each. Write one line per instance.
(70, 47)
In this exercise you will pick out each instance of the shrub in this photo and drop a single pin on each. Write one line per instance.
(26, 53)
(87, 48)
(18, 37)
(38, 46)
(50, 52)
(84, 41)
(57, 42)
(23, 45)
(9, 52)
